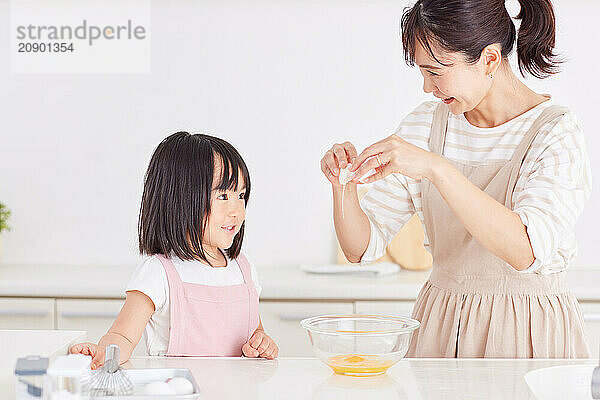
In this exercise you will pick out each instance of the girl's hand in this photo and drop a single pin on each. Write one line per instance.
(90, 349)
(394, 155)
(260, 345)
(336, 158)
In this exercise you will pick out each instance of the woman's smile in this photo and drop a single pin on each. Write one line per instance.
(445, 99)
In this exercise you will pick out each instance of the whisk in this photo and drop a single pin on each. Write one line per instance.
(110, 379)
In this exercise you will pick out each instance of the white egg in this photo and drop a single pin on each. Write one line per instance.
(181, 385)
(158, 387)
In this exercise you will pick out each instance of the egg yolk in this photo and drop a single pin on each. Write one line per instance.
(360, 364)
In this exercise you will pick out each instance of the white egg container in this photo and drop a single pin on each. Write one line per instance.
(141, 377)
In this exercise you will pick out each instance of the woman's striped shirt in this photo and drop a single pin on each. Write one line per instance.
(553, 186)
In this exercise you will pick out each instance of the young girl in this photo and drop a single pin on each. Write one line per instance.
(195, 293)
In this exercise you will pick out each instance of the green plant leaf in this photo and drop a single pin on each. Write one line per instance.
(4, 215)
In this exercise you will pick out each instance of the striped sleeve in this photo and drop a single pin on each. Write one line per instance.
(388, 206)
(392, 201)
(551, 197)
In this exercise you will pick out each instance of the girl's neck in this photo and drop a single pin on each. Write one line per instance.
(215, 256)
(507, 99)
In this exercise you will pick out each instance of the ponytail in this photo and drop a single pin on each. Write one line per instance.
(468, 26)
(536, 39)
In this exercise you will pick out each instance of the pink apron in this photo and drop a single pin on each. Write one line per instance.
(210, 320)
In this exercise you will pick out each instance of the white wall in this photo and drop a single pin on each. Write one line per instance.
(281, 81)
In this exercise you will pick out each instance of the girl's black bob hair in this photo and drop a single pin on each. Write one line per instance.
(176, 201)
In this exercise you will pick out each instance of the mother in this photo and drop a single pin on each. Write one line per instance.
(498, 175)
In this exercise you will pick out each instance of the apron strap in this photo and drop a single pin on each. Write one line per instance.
(172, 274)
(175, 294)
(252, 294)
(437, 137)
(244, 267)
(551, 114)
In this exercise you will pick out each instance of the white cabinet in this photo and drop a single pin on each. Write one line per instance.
(19, 313)
(93, 316)
(591, 317)
(403, 308)
(281, 320)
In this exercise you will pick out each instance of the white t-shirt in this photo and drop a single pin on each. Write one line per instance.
(150, 278)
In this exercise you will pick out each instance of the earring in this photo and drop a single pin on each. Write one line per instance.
(491, 76)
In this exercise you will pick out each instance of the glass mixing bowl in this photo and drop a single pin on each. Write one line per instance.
(359, 345)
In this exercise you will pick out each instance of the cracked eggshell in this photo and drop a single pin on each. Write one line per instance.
(345, 175)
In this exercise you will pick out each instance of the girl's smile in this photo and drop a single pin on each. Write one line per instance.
(230, 229)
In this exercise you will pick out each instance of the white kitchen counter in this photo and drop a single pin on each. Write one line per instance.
(277, 283)
(308, 378)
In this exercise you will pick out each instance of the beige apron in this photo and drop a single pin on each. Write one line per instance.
(475, 304)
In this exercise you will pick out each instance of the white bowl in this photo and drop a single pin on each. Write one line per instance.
(561, 382)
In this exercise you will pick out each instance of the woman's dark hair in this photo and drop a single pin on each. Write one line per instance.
(177, 194)
(468, 26)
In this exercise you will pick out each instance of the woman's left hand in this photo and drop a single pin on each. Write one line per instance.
(394, 155)
(260, 345)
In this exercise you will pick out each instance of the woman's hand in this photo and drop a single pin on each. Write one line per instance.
(394, 155)
(89, 349)
(260, 345)
(336, 158)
